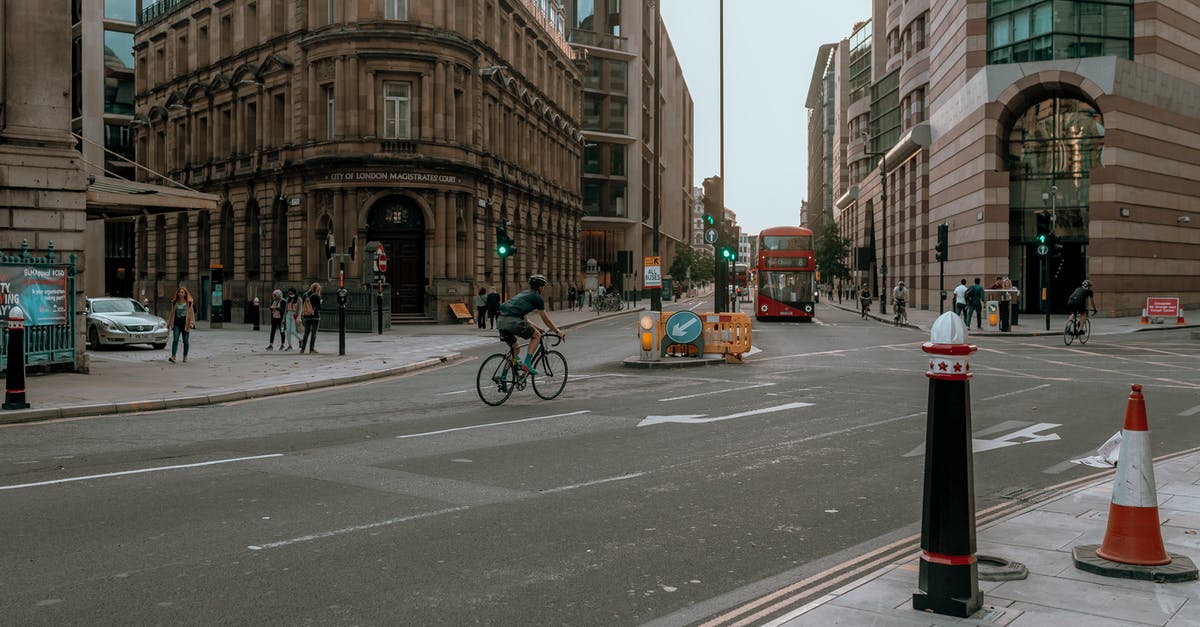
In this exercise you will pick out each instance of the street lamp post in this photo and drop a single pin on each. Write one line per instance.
(656, 292)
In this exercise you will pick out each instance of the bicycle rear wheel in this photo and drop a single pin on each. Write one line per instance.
(1085, 331)
(496, 379)
(1069, 333)
(551, 375)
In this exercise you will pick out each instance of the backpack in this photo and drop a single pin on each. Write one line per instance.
(1076, 299)
(306, 308)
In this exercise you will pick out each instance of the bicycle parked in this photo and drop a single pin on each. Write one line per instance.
(1077, 329)
(501, 374)
(609, 302)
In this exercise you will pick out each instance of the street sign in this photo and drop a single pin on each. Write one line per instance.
(1042, 249)
(710, 235)
(380, 260)
(653, 272)
(683, 327)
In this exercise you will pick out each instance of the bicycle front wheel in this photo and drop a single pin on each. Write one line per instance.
(1085, 331)
(551, 375)
(496, 379)
(1069, 334)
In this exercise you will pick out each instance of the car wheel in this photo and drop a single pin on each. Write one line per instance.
(94, 338)
(159, 346)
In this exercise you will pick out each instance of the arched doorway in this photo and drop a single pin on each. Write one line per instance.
(398, 224)
(1051, 149)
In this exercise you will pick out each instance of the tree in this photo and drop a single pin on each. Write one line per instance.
(695, 263)
(702, 266)
(833, 251)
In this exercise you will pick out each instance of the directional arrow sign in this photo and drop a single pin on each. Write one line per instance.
(695, 419)
(684, 326)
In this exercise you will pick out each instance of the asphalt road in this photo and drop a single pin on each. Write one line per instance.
(407, 500)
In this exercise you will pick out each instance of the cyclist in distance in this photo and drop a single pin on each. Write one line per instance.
(512, 323)
(1078, 301)
(899, 298)
(864, 299)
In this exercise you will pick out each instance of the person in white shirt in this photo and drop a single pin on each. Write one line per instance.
(960, 298)
(900, 301)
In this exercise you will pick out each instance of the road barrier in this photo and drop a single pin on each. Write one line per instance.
(727, 334)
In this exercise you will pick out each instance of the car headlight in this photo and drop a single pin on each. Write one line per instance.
(110, 325)
(160, 325)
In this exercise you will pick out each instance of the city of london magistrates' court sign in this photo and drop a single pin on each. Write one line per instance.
(395, 176)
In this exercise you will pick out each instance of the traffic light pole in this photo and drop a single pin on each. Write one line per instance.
(656, 292)
(720, 280)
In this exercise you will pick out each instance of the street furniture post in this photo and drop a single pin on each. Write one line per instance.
(14, 389)
(341, 298)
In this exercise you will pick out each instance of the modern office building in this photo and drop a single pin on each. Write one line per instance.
(618, 40)
(331, 127)
(982, 113)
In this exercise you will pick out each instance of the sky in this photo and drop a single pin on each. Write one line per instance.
(770, 49)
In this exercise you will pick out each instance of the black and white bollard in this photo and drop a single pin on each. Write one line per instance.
(14, 389)
(949, 577)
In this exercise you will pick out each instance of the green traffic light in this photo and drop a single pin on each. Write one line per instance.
(1041, 238)
(709, 219)
(503, 250)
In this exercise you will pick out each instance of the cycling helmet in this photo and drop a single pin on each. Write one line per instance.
(1087, 283)
(537, 280)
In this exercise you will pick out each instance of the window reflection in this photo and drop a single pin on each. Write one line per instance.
(790, 288)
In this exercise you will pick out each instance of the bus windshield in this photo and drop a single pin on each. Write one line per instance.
(786, 287)
(787, 242)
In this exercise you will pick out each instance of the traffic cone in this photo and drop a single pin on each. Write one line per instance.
(1145, 316)
(1133, 536)
(1179, 319)
(1133, 545)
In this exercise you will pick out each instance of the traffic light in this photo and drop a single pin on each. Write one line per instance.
(713, 195)
(1044, 233)
(942, 250)
(504, 243)
(728, 252)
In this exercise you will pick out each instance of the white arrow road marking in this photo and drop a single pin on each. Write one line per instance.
(695, 419)
(683, 326)
(1191, 412)
(1027, 434)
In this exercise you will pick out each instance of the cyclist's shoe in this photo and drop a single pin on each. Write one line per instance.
(528, 367)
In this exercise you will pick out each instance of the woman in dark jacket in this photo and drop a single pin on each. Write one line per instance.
(493, 307)
(311, 317)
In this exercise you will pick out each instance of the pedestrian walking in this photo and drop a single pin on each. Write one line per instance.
(181, 322)
(291, 317)
(580, 293)
(975, 305)
(481, 308)
(960, 298)
(277, 305)
(310, 314)
(493, 307)
(571, 298)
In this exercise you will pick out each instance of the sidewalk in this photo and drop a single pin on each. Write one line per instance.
(1055, 592)
(1029, 324)
(232, 363)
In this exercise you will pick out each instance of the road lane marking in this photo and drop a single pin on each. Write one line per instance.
(137, 472)
(585, 484)
(1191, 412)
(748, 387)
(344, 530)
(490, 424)
(1015, 392)
(697, 419)
(453, 393)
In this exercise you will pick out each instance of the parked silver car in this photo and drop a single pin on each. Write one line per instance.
(120, 321)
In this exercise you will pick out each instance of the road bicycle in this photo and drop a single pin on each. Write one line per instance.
(610, 302)
(1077, 329)
(501, 374)
(898, 306)
(865, 305)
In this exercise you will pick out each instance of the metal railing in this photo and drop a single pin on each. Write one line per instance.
(160, 9)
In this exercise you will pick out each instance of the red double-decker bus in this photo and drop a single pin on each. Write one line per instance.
(786, 274)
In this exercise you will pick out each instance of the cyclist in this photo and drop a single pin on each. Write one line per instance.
(899, 298)
(1078, 301)
(864, 299)
(512, 323)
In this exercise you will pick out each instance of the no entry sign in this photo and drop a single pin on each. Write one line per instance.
(380, 260)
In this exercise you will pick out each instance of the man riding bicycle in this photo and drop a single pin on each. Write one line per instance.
(864, 300)
(899, 298)
(1078, 301)
(512, 323)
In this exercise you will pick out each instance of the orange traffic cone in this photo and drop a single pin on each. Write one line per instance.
(1145, 316)
(1133, 545)
(1179, 319)
(1133, 536)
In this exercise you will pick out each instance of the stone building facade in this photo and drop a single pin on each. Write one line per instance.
(327, 126)
(987, 112)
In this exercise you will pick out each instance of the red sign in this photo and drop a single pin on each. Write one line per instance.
(1162, 307)
(380, 260)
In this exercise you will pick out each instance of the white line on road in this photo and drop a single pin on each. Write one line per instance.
(453, 393)
(136, 472)
(337, 532)
(596, 482)
(1191, 412)
(694, 419)
(1014, 393)
(490, 424)
(748, 387)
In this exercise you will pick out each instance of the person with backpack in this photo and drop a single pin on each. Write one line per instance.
(310, 314)
(1077, 302)
(975, 298)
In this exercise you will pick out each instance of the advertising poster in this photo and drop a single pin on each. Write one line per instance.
(40, 292)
